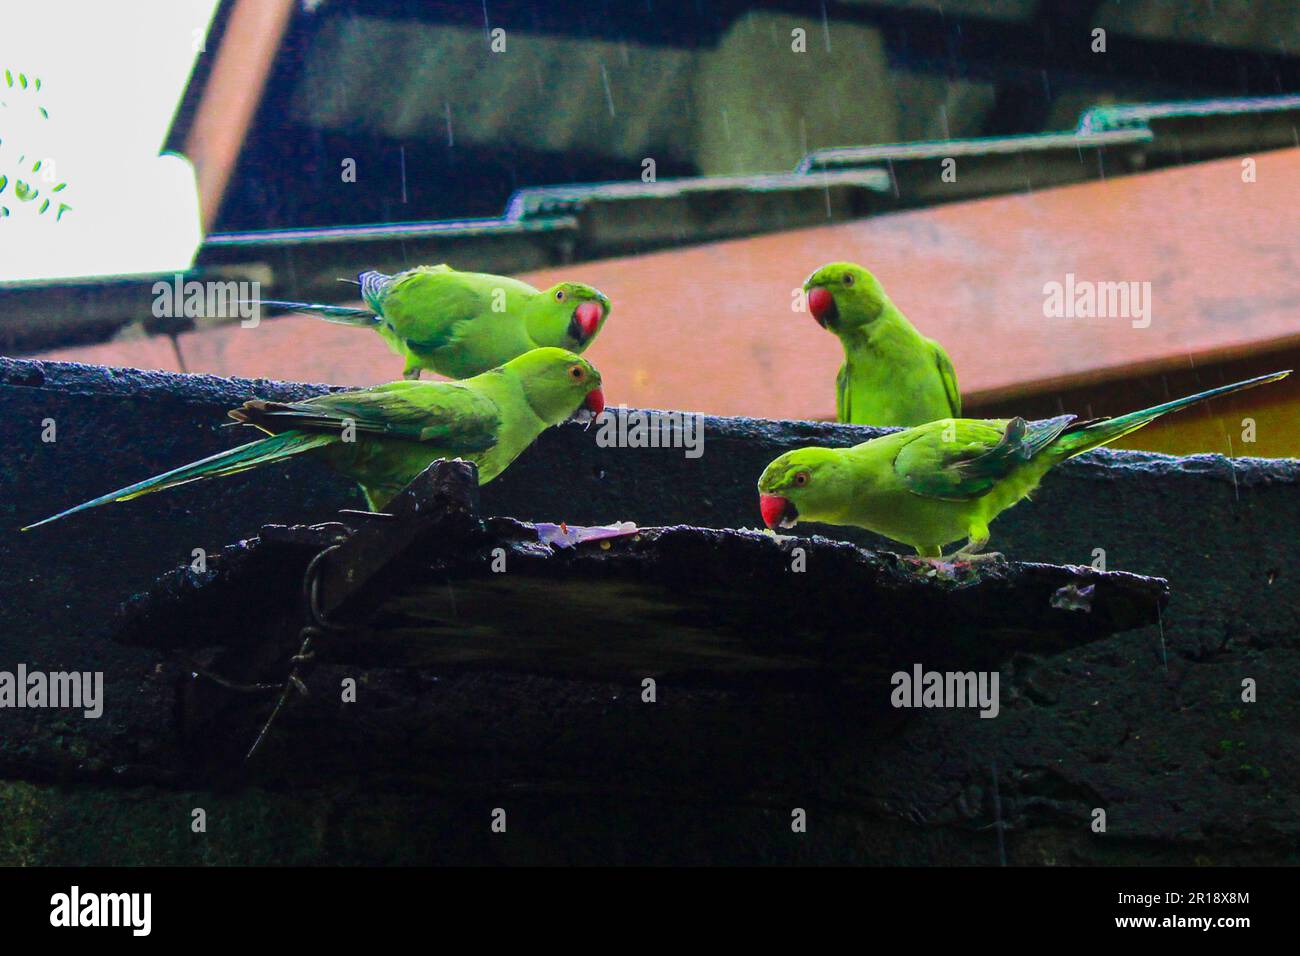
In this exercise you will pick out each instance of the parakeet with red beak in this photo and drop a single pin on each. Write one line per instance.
(892, 375)
(937, 483)
(383, 437)
(463, 323)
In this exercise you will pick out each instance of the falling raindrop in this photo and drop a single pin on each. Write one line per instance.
(1164, 656)
(401, 150)
(609, 96)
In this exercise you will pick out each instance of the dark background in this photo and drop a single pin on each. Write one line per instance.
(970, 68)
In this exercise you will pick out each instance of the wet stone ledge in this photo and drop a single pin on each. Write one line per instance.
(1109, 710)
(430, 584)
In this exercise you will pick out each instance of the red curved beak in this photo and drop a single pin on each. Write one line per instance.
(595, 401)
(774, 509)
(821, 304)
(587, 317)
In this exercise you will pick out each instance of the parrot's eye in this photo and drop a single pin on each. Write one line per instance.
(577, 373)
(848, 278)
(559, 295)
(800, 479)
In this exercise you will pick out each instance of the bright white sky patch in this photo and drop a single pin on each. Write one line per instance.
(111, 77)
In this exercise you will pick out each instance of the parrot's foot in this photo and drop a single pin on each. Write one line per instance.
(948, 565)
(410, 374)
(965, 557)
(972, 552)
(938, 566)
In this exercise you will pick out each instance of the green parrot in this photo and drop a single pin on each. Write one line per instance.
(397, 429)
(463, 323)
(937, 483)
(892, 374)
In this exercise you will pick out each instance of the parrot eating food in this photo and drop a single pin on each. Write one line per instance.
(892, 375)
(399, 428)
(464, 323)
(934, 484)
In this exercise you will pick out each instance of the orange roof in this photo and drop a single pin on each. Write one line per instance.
(711, 328)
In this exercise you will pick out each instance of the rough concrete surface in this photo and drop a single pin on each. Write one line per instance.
(1148, 725)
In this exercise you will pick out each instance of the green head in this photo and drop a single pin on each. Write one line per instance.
(807, 483)
(558, 384)
(843, 296)
(568, 315)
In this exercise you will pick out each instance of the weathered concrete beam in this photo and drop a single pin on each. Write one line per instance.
(431, 585)
(1149, 724)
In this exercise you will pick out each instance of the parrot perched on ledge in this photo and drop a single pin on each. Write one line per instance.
(463, 323)
(398, 429)
(937, 483)
(892, 375)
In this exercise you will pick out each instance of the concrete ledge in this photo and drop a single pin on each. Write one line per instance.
(1149, 725)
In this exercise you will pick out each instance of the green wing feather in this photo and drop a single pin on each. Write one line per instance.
(231, 462)
(973, 456)
(979, 454)
(1090, 434)
(425, 306)
(340, 314)
(949, 376)
(449, 414)
(843, 403)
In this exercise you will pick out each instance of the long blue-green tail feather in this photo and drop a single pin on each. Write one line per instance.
(253, 455)
(1087, 435)
(340, 314)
